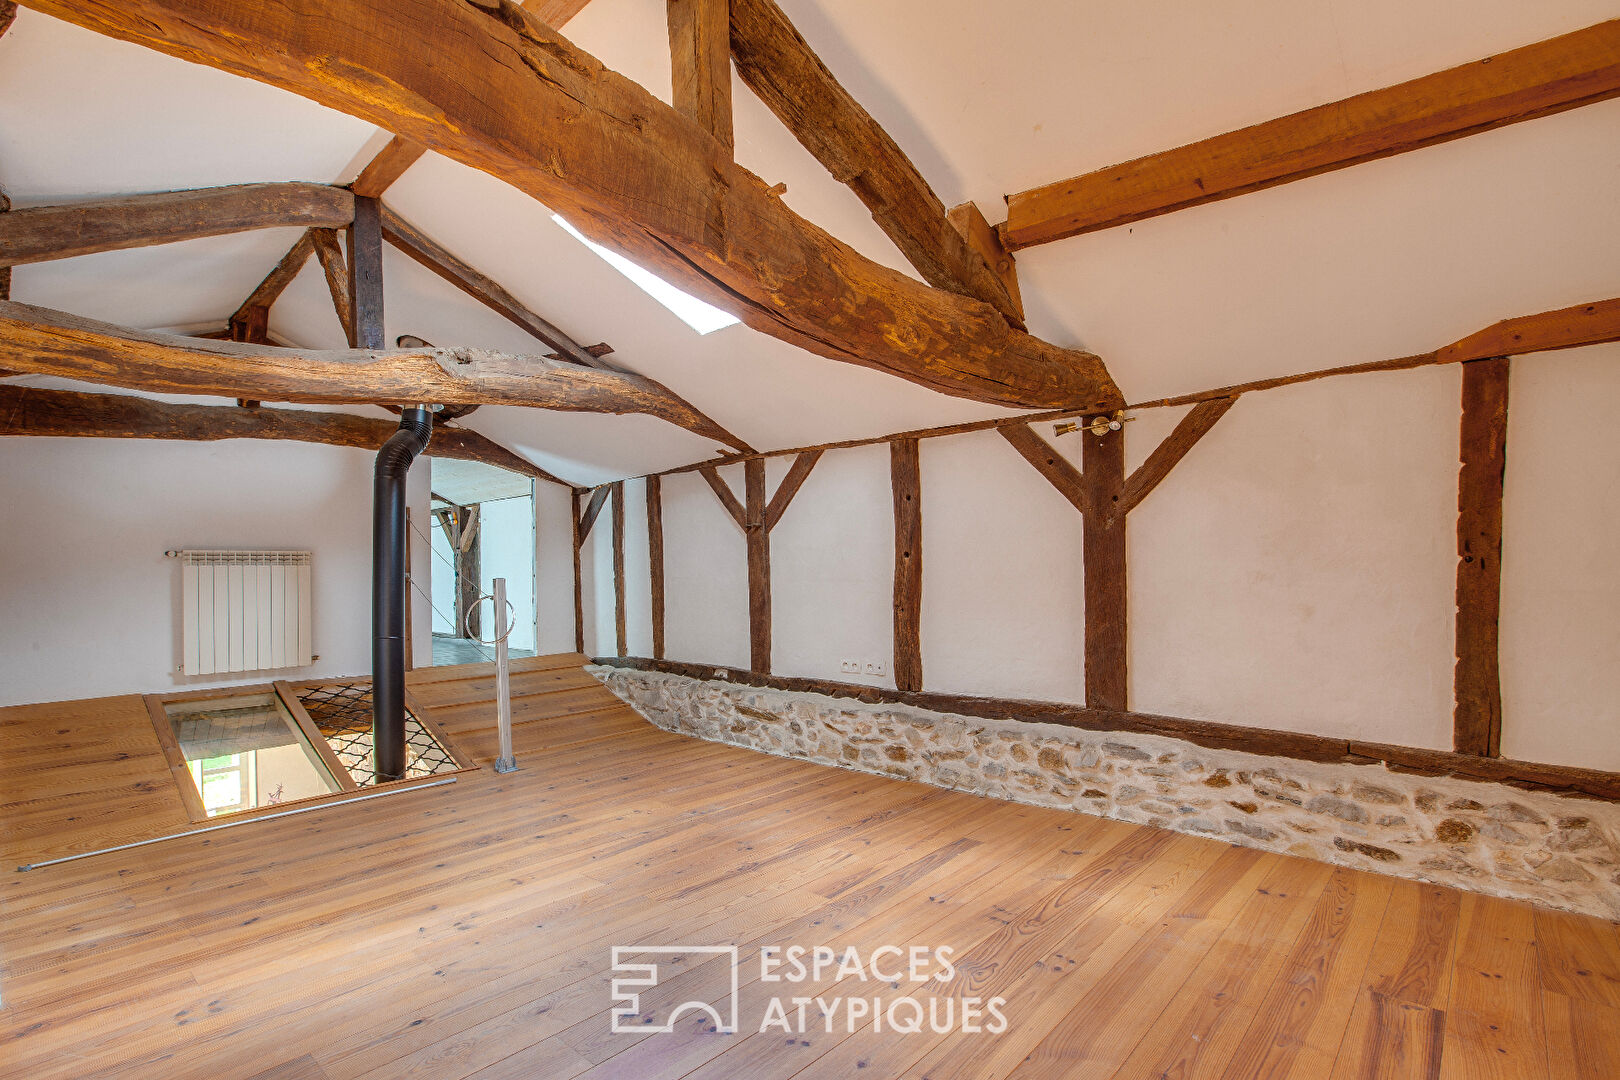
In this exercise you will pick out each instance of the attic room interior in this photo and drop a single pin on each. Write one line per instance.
(803, 538)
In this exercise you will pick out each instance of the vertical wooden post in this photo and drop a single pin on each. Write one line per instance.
(5, 200)
(618, 569)
(759, 566)
(365, 274)
(1477, 721)
(700, 63)
(469, 571)
(1103, 474)
(905, 475)
(579, 593)
(655, 558)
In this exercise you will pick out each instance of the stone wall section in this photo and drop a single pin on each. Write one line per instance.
(1484, 837)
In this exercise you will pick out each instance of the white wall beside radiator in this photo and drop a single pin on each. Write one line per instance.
(88, 603)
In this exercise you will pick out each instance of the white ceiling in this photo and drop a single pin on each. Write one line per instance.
(1384, 259)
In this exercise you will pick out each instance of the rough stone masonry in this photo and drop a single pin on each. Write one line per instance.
(1485, 837)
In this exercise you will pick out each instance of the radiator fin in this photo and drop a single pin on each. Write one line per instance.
(245, 611)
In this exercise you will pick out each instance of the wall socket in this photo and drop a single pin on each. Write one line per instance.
(875, 668)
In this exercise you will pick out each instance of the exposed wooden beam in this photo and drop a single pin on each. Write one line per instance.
(1104, 548)
(759, 565)
(752, 517)
(433, 255)
(655, 560)
(618, 569)
(254, 328)
(1477, 720)
(1049, 463)
(723, 492)
(593, 510)
(389, 165)
(43, 233)
(1562, 779)
(401, 153)
(499, 91)
(275, 283)
(365, 323)
(469, 571)
(700, 64)
(982, 237)
(797, 474)
(5, 200)
(579, 591)
(776, 62)
(49, 342)
(905, 479)
(329, 250)
(1567, 328)
(1538, 80)
(72, 414)
(1168, 454)
(424, 250)
(1584, 324)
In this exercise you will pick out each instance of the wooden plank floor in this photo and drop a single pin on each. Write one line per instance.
(465, 931)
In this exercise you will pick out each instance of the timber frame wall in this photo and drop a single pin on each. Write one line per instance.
(1104, 495)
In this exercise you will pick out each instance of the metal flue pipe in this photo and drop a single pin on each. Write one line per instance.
(388, 599)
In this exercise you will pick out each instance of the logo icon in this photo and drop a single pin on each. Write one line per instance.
(638, 977)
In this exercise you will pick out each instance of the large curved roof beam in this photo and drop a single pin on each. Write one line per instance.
(496, 89)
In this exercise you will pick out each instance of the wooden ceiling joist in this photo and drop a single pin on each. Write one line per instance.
(46, 342)
(1538, 80)
(401, 153)
(276, 281)
(429, 253)
(28, 410)
(700, 64)
(43, 233)
(499, 91)
(329, 250)
(776, 63)
(389, 165)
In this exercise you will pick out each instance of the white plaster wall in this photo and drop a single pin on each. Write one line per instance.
(1003, 607)
(89, 605)
(832, 567)
(1561, 574)
(508, 550)
(705, 573)
(1297, 569)
(554, 568)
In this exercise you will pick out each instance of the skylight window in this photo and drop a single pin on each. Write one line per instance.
(702, 317)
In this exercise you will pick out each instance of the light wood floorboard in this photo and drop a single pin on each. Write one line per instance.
(466, 930)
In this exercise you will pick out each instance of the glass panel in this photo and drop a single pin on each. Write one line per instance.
(246, 751)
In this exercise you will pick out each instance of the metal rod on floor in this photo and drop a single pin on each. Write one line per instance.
(240, 821)
(503, 687)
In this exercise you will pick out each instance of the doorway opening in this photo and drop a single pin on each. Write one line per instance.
(483, 528)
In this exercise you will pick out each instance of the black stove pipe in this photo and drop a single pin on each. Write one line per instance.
(388, 597)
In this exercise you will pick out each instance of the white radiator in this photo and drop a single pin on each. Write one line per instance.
(245, 610)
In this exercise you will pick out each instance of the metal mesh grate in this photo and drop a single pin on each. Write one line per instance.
(343, 715)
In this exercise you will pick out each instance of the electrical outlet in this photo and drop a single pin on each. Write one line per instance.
(852, 667)
(874, 667)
